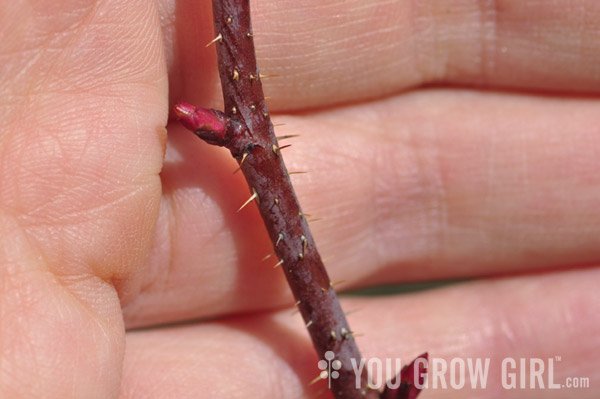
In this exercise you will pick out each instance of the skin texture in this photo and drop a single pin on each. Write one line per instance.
(412, 183)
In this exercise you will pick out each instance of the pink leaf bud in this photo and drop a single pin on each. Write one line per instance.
(208, 124)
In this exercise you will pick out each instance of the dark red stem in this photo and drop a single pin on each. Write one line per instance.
(245, 128)
(250, 132)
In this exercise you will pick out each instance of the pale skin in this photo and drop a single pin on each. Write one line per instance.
(110, 222)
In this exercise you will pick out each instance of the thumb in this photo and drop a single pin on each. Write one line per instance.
(83, 102)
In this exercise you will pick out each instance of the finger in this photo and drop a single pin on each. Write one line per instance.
(83, 104)
(338, 52)
(407, 190)
(270, 356)
(83, 143)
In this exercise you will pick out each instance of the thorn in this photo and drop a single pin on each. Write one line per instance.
(252, 77)
(244, 158)
(279, 238)
(304, 245)
(265, 114)
(328, 258)
(288, 136)
(348, 313)
(276, 200)
(241, 162)
(253, 107)
(228, 20)
(314, 220)
(296, 173)
(260, 75)
(331, 284)
(300, 255)
(278, 124)
(307, 214)
(268, 256)
(345, 333)
(310, 323)
(297, 303)
(219, 38)
(284, 146)
(275, 149)
(325, 289)
(249, 34)
(357, 334)
(317, 379)
(333, 335)
(234, 110)
(236, 75)
(278, 264)
(300, 214)
(252, 198)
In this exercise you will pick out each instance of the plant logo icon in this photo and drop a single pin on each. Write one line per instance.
(329, 367)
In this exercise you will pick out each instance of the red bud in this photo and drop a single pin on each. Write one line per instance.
(208, 124)
(409, 387)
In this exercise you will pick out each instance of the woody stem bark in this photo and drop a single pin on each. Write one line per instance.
(250, 137)
(245, 128)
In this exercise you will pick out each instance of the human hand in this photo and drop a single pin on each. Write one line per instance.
(422, 184)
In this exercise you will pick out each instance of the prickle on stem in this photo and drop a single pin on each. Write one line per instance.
(249, 200)
(219, 39)
(287, 136)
